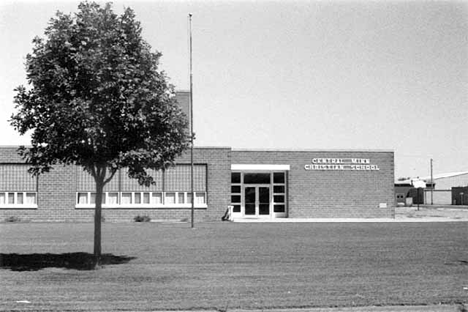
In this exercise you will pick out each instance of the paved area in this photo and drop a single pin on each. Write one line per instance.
(402, 214)
(424, 308)
(433, 308)
(454, 213)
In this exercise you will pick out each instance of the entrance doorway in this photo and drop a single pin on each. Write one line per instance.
(257, 200)
(259, 194)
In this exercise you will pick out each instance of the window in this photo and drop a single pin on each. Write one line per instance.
(30, 199)
(200, 198)
(93, 198)
(275, 180)
(11, 198)
(133, 199)
(236, 196)
(156, 198)
(146, 198)
(235, 177)
(172, 189)
(279, 192)
(18, 200)
(17, 187)
(257, 178)
(170, 198)
(278, 177)
(181, 198)
(15, 177)
(82, 198)
(126, 198)
(112, 198)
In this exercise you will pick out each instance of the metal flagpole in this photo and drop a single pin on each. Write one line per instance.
(432, 185)
(191, 125)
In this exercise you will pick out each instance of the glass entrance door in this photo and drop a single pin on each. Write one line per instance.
(257, 200)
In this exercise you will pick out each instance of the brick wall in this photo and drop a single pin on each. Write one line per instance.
(332, 194)
(218, 162)
(314, 193)
(57, 193)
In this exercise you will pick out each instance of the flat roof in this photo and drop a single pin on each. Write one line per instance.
(266, 149)
(309, 150)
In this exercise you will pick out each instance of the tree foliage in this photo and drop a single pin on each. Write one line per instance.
(97, 96)
(97, 99)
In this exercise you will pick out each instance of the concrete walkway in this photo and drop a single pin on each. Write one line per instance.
(423, 308)
(341, 220)
(402, 214)
(428, 308)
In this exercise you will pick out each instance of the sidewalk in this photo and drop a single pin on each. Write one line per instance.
(402, 214)
(423, 308)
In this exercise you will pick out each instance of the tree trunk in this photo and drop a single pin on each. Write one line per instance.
(97, 221)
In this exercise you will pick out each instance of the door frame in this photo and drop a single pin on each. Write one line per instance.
(257, 201)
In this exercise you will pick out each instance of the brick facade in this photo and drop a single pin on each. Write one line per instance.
(57, 190)
(332, 193)
(310, 193)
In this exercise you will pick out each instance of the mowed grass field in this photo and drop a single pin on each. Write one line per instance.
(234, 265)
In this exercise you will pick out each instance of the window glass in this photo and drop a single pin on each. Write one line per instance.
(200, 198)
(2, 198)
(146, 198)
(126, 198)
(156, 198)
(189, 198)
(178, 178)
(11, 198)
(235, 177)
(235, 199)
(279, 198)
(30, 198)
(19, 199)
(181, 198)
(257, 178)
(235, 189)
(137, 198)
(278, 189)
(279, 208)
(16, 176)
(278, 177)
(82, 198)
(170, 198)
(93, 198)
(236, 208)
(113, 198)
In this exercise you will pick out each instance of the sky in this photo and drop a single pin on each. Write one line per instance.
(300, 75)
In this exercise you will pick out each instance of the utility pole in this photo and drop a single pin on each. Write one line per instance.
(432, 185)
(191, 126)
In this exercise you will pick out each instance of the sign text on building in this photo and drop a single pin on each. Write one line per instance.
(341, 164)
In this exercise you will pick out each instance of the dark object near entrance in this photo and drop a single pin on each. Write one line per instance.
(227, 214)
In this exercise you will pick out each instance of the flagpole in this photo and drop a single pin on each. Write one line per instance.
(191, 125)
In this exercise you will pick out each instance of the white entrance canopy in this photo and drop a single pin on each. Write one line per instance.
(260, 167)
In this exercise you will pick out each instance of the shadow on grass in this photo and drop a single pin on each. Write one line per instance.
(75, 261)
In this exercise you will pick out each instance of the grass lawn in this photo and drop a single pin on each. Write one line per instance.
(269, 265)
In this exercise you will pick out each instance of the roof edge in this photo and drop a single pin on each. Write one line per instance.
(309, 150)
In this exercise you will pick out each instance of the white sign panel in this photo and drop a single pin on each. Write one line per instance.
(345, 164)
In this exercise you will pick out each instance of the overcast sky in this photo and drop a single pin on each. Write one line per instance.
(367, 75)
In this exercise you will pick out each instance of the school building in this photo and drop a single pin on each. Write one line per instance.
(262, 184)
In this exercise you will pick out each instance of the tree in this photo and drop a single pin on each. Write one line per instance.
(97, 99)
